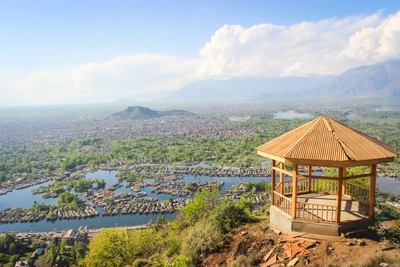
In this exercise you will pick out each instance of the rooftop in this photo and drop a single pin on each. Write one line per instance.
(326, 142)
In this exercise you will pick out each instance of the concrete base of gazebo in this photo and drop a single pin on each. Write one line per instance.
(354, 215)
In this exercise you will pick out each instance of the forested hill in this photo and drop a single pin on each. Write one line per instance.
(138, 112)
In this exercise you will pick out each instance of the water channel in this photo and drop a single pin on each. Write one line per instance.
(23, 198)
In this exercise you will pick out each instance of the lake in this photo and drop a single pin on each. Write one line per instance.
(291, 115)
(23, 198)
(393, 109)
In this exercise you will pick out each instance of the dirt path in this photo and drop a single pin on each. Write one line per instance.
(252, 246)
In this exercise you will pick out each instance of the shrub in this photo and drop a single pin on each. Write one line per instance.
(228, 216)
(201, 240)
(243, 260)
(175, 261)
(141, 263)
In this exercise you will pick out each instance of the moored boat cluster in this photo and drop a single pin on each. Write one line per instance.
(147, 206)
(224, 172)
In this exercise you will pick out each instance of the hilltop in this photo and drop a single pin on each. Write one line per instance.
(138, 112)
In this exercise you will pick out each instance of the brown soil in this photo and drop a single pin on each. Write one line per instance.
(249, 245)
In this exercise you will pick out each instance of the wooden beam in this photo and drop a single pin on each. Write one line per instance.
(294, 190)
(372, 185)
(282, 176)
(339, 195)
(277, 163)
(358, 176)
(270, 156)
(317, 177)
(328, 177)
(349, 163)
(282, 171)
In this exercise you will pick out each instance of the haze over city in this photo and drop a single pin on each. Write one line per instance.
(64, 52)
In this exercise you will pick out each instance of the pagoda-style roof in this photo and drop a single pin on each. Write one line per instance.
(326, 142)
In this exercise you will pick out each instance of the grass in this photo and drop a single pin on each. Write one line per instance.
(4, 258)
(43, 261)
(376, 260)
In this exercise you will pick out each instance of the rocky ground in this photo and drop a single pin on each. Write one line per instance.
(260, 245)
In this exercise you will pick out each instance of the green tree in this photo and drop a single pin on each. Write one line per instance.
(78, 250)
(228, 216)
(63, 245)
(13, 249)
(6, 240)
(2, 177)
(119, 247)
(203, 203)
(13, 260)
(52, 251)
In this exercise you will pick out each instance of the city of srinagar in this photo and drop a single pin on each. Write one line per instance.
(236, 184)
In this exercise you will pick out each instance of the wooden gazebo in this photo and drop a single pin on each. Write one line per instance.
(320, 204)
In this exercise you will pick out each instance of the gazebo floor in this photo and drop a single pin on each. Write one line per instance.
(351, 210)
(353, 215)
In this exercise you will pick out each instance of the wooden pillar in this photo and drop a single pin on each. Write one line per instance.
(344, 182)
(281, 174)
(282, 178)
(372, 185)
(294, 190)
(339, 195)
(309, 178)
(273, 182)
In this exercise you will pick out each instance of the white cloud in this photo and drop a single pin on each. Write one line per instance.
(371, 44)
(329, 46)
(104, 81)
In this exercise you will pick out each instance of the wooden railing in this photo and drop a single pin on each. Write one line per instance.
(281, 202)
(306, 211)
(278, 188)
(328, 186)
(316, 212)
(287, 187)
(302, 186)
(357, 192)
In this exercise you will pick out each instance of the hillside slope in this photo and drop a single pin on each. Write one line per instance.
(138, 112)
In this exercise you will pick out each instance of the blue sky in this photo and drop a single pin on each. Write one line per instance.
(55, 52)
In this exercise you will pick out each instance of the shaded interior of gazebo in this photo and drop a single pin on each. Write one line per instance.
(304, 201)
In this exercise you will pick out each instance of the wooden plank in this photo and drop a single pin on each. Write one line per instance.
(291, 240)
(266, 257)
(271, 261)
(307, 244)
(293, 262)
(294, 235)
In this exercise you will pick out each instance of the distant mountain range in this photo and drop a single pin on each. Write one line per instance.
(379, 80)
(138, 112)
(239, 89)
